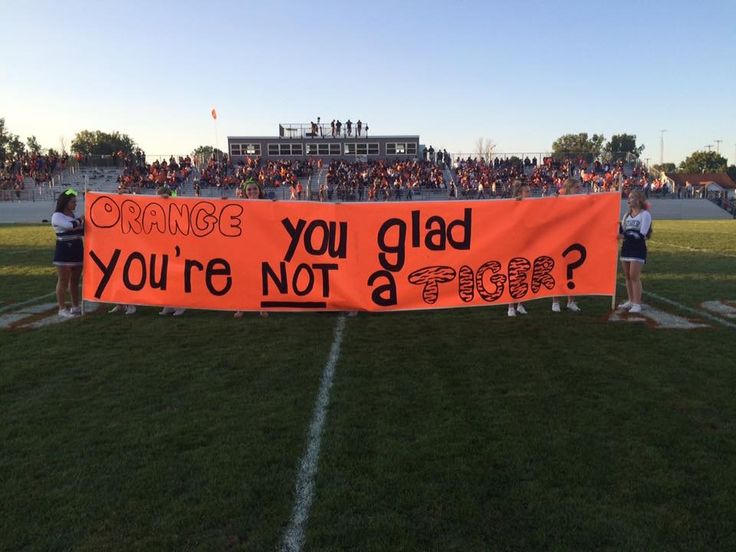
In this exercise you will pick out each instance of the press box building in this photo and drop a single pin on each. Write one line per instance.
(297, 141)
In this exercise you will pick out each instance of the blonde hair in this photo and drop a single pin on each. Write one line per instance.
(640, 198)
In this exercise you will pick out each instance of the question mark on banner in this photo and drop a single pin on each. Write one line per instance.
(572, 266)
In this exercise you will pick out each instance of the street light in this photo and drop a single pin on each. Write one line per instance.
(661, 146)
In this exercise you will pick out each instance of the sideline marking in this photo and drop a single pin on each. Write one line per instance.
(294, 535)
(720, 307)
(27, 302)
(699, 312)
(662, 320)
(717, 254)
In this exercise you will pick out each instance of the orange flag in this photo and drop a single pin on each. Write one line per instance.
(214, 113)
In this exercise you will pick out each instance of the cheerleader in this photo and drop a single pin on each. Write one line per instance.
(520, 191)
(571, 187)
(252, 191)
(635, 229)
(69, 252)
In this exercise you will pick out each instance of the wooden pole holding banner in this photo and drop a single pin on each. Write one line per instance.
(86, 180)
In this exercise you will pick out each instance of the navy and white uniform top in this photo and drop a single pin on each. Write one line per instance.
(635, 230)
(67, 228)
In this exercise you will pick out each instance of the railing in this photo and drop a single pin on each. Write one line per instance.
(301, 130)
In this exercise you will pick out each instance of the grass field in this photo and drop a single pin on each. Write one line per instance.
(453, 430)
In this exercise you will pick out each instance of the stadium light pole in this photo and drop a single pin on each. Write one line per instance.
(661, 146)
(718, 146)
(708, 147)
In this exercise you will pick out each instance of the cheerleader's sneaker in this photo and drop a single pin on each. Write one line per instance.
(625, 306)
(572, 306)
(76, 311)
(130, 309)
(512, 312)
(556, 307)
(635, 309)
(520, 309)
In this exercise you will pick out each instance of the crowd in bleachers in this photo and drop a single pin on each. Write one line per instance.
(482, 179)
(138, 175)
(41, 168)
(380, 180)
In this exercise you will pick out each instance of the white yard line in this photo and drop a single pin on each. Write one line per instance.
(293, 540)
(27, 302)
(698, 312)
(715, 253)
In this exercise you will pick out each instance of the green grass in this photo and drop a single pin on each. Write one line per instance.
(451, 430)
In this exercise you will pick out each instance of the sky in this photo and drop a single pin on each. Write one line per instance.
(518, 73)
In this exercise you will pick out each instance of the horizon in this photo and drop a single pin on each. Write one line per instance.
(155, 72)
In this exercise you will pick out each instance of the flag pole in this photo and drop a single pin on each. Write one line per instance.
(214, 124)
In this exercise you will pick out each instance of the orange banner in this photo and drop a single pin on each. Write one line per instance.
(296, 256)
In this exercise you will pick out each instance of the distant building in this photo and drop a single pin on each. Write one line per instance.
(296, 141)
(702, 184)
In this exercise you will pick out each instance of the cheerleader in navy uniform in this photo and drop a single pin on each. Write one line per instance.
(69, 252)
(571, 187)
(635, 229)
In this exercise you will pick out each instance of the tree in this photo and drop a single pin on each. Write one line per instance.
(10, 144)
(732, 172)
(33, 145)
(205, 153)
(667, 168)
(704, 162)
(96, 142)
(484, 148)
(573, 146)
(622, 147)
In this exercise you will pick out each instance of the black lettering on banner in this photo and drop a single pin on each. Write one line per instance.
(230, 220)
(397, 249)
(541, 273)
(135, 256)
(321, 248)
(203, 221)
(518, 274)
(188, 265)
(466, 225)
(104, 212)
(303, 268)
(218, 267)
(130, 214)
(325, 268)
(430, 277)
(107, 270)
(319, 237)
(161, 283)
(498, 280)
(466, 283)
(302, 281)
(178, 218)
(385, 294)
(294, 233)
(338, 249)
(279, 280)
(438, 232)
(154, 217)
